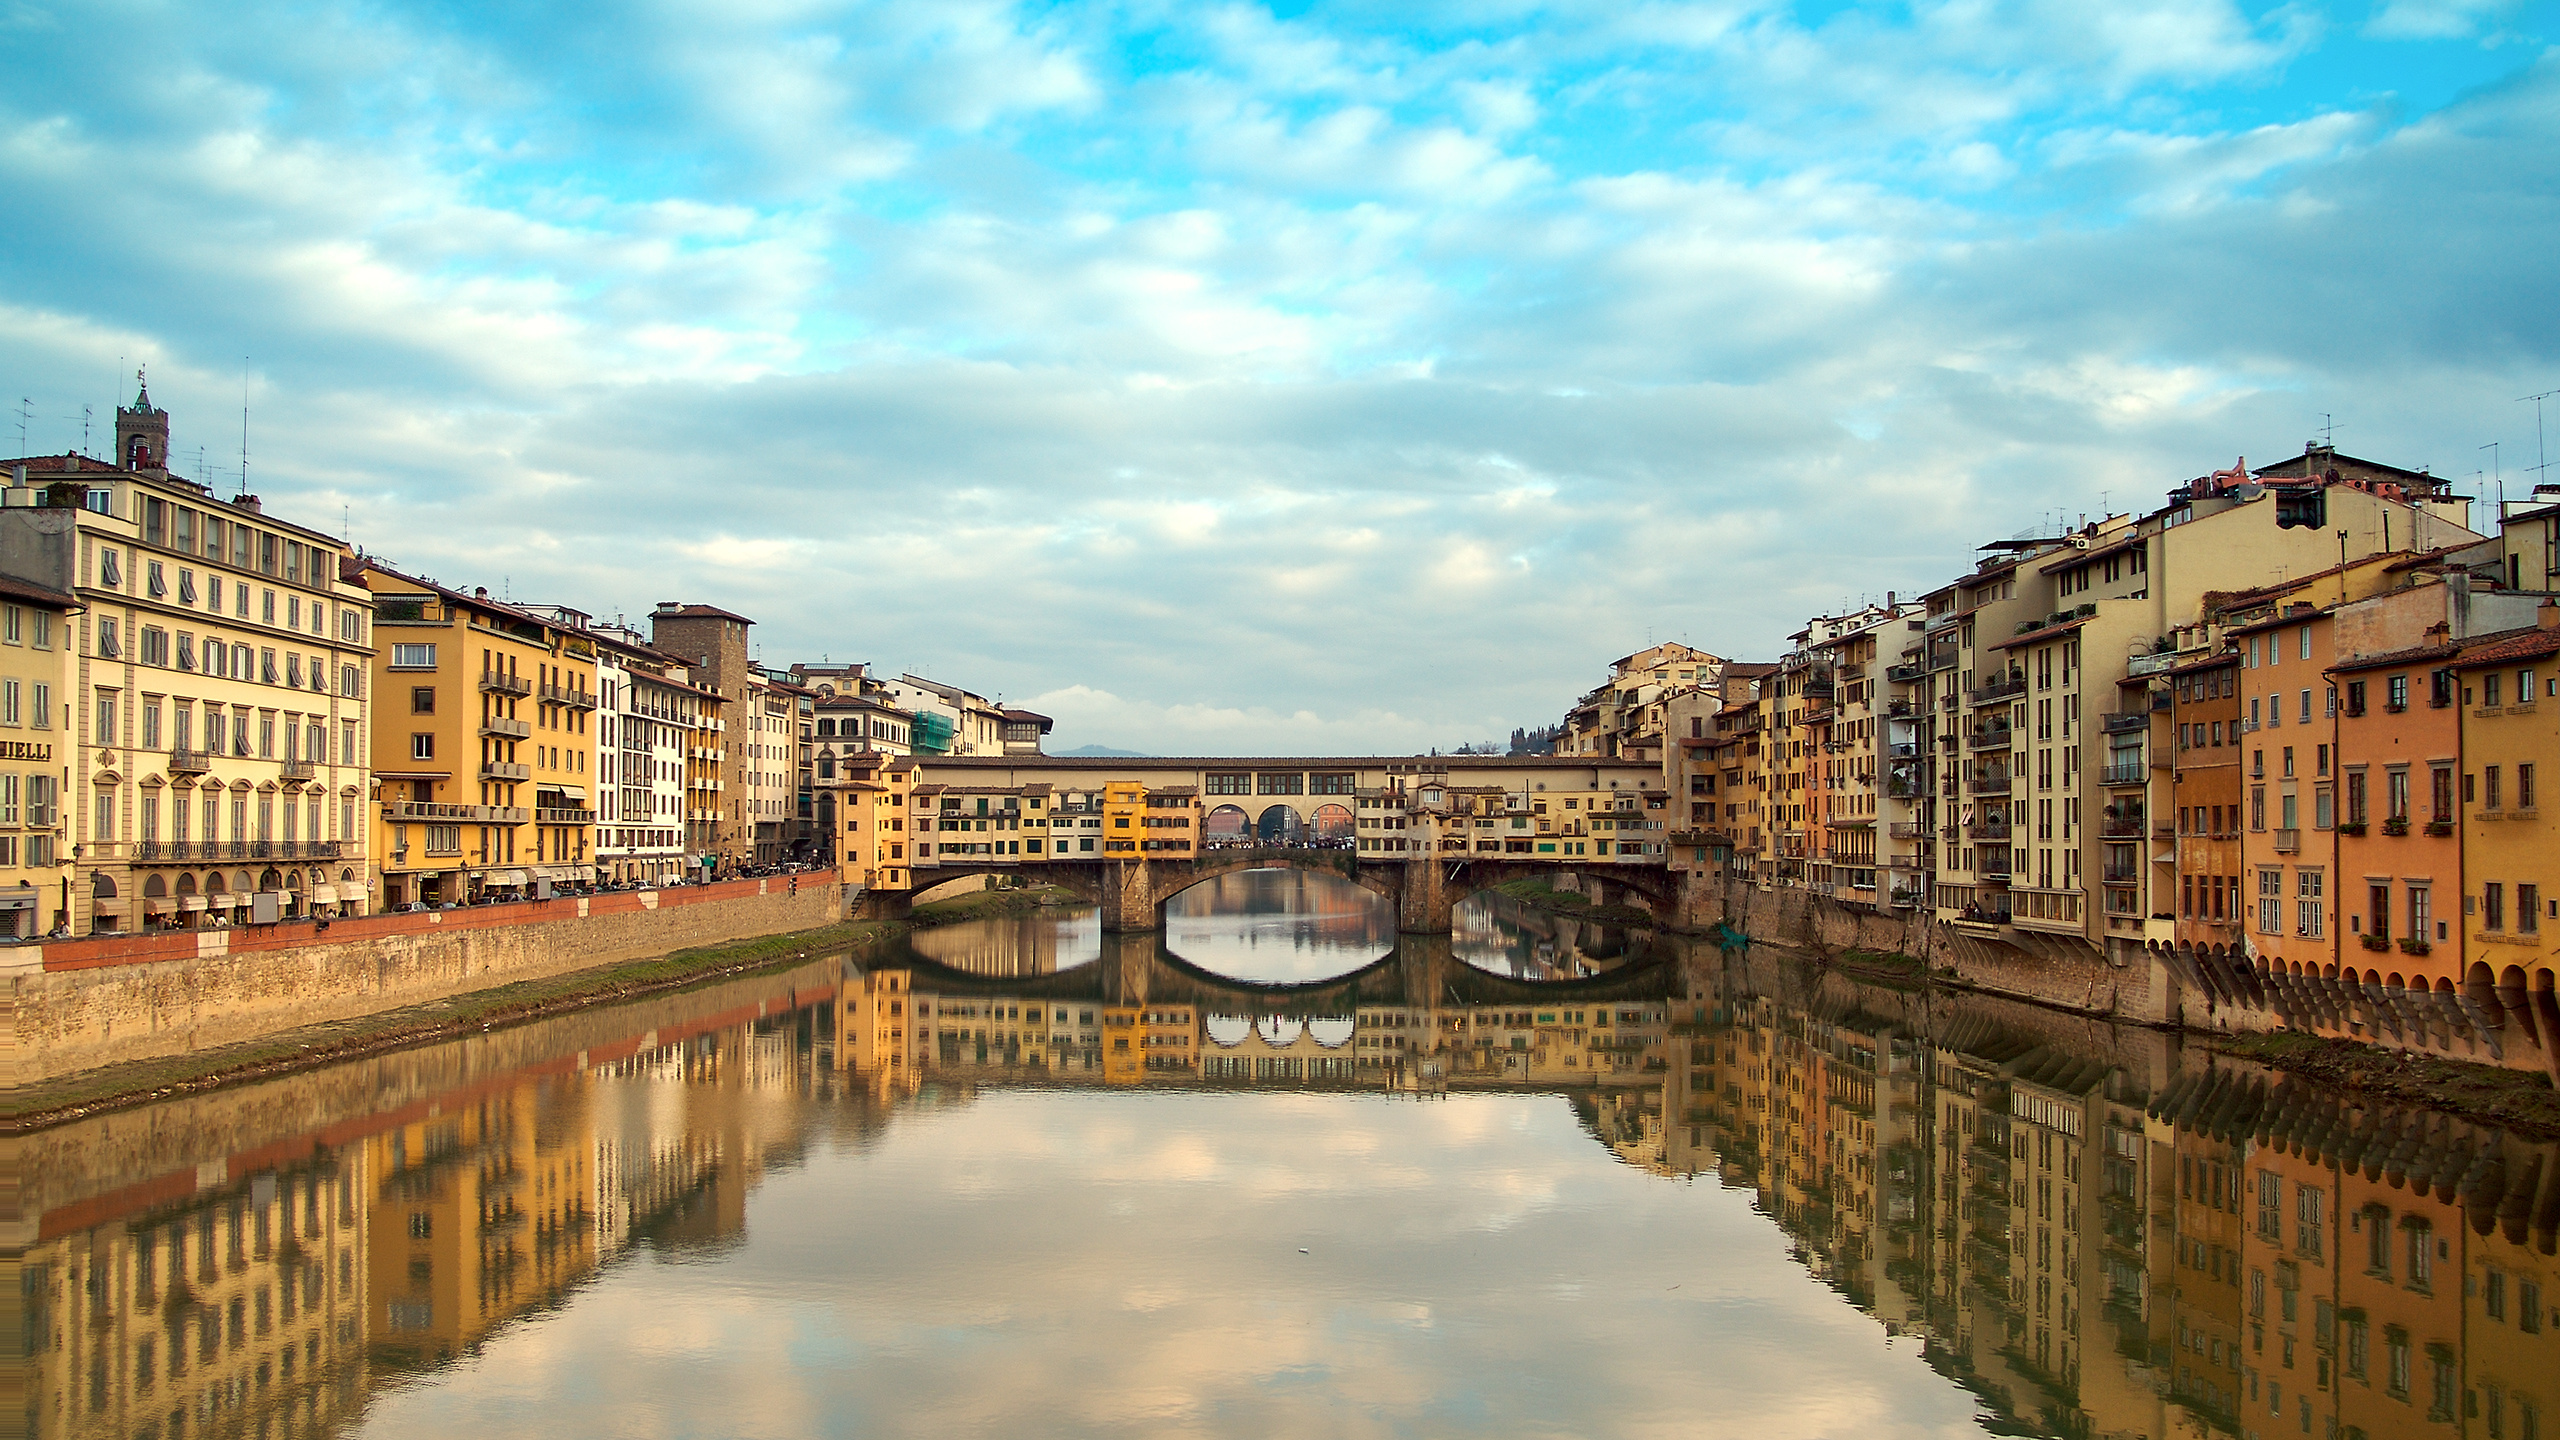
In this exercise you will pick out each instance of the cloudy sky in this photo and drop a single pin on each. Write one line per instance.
(1221, 378)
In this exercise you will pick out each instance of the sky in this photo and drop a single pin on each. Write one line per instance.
(1227, 379)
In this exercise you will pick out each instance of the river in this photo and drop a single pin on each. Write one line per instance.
(1282, 1172)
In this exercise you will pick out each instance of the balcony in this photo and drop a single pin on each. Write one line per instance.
(2288, 842)
(412, 812)
(2118, 722)
(1987, 830)
(562, 815)
(2136, 773)
(1906, 830)
(1990, 784)
(190, 762)
(506, 729)
(1992, 863)
(2001, 689)
(2123, 874)
(1902, 750)
(1989, 737)
(504, 770)
(301, 769)
(498, 682)
(1903, 674)
(563, 695)
(2123, 827)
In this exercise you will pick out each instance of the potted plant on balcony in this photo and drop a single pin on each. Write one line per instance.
(2396, 825)
(2375, 942)
(2409, 945)
(2351, 827)
(2439, 827)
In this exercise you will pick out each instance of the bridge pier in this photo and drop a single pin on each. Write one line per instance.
(1424, 901)
(1128, 901)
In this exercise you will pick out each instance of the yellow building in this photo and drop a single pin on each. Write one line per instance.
(870, 804)
(216, 715)
(2510, 845)
(35, 676)
(485, 738)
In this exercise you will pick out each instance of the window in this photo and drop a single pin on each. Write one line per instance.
(2422, 1256)
(107, 729)
(422, 700)
(2528, 909)
(2419, 913)
(40, 706)
(110, 641)
(2356, 798)
(413, 657)
(2493, 906)
(2270, 900)
(2270, 1224)
(2524, 787)
(422, 747)
(10, 705)
(2310, 1233)
(2307, 886)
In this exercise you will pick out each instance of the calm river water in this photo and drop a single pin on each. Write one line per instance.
(1278, 1173)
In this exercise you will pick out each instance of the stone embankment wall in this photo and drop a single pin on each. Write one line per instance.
(86, 1003)
(2057, 970)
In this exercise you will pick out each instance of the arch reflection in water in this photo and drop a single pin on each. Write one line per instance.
(1278, 926)
(1494, 932)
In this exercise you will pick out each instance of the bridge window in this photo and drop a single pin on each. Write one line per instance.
(1329, 784)
(1230, 784)
(1288, 784)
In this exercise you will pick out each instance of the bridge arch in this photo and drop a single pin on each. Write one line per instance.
(1279, 825)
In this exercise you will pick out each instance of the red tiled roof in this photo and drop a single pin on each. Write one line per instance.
(2529, 645)
(2042, 633)
(701, 612)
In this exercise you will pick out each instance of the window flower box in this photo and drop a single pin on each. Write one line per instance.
(2396, 825)
(2439, 827)
(2413, 947)
(2352, 827)
(2375, 942)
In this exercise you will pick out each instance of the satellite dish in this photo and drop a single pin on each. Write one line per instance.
(2246, 493)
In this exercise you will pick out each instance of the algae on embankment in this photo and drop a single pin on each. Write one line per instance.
(1539, 895)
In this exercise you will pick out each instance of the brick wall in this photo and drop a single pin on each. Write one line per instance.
(103, 1001)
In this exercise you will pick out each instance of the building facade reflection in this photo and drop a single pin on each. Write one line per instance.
(2094, 1233)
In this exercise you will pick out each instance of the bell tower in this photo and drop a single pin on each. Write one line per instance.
(142, 433)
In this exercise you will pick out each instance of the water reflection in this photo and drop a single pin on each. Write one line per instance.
(1495, 932)
(1279, 926)
(916, 1197)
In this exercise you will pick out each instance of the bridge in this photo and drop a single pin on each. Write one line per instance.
(1129, 834)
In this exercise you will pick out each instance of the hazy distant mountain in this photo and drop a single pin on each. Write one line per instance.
(1104, 752)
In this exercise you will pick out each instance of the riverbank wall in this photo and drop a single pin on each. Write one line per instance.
(82, 1004)
(2201, 992)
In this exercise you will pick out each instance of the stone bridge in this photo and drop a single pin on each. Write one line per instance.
(1421, 972)
(1132, 894)
(1423, 831)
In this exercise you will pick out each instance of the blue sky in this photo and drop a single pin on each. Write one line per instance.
(1309, 378)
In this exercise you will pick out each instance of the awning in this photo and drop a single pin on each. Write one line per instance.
(350, 891)
(159, 907)
(191, 902)
(106, 907)
(569, 792)
(503, 877)
(222, 900)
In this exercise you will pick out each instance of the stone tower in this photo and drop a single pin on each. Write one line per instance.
(713, 642)
(142, 433)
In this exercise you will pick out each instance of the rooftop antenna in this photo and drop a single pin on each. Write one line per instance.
(23, 403)
(86, 414)
(244, 424)
(2328, 430)
(2543, 462)
(2499, 472)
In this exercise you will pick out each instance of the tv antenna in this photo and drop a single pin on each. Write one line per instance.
(244, 424)
(25, 404)
(2498, 477)
(2540, 457)
(2328, 430)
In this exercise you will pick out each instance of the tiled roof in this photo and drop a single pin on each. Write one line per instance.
(29, 590)
(2044, 632)
(700, 612)
(2385, 659)
(2529, 645)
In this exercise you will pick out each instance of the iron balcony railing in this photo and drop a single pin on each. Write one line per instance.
(2000, 689)
(1989, 737)
(2120, 722)
(2136, 773)
(563, 695)
(301, 769)
(190, 762)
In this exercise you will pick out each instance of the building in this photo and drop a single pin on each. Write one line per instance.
(36, 871)
(486, 726)
(211, 756)
(2510, 849)
(713, 645)
(950, 720)
(1627, 716)
(650, 718)
(2205, 750)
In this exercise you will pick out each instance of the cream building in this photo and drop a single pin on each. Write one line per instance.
(35, 672)
(213, 732)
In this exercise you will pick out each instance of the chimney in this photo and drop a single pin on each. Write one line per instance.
(2547, 615)
(478, 592)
